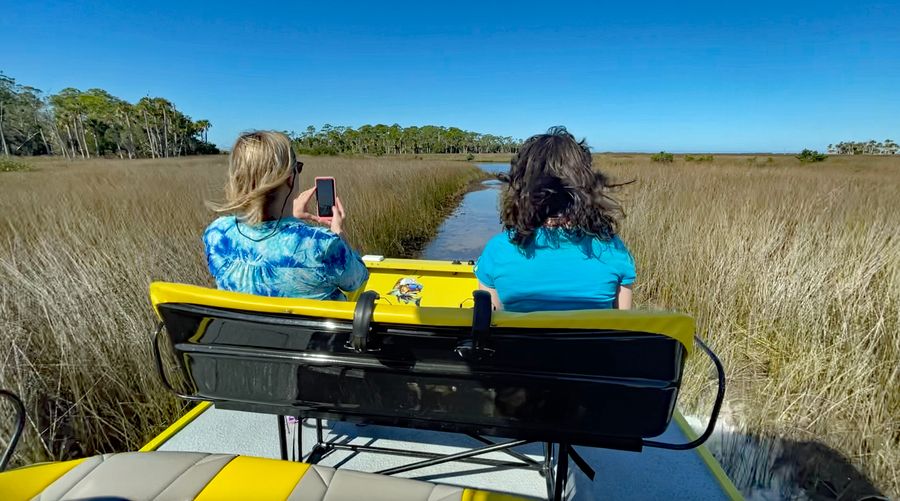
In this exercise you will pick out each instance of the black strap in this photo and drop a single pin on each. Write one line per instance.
(362, 320)
(481, 320)
(478, 345)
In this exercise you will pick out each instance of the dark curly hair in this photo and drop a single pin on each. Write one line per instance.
(552, 177)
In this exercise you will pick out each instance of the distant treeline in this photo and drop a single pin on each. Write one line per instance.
(94, 123)
(396, 140)
(871, 147)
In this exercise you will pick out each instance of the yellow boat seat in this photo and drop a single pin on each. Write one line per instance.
(194, 475)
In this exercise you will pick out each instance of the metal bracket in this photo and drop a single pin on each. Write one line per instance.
(556, 478)
(582, 464)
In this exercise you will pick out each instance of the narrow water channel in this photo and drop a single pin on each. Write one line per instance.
(464, 233)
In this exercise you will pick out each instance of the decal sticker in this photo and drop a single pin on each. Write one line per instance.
(408, 290)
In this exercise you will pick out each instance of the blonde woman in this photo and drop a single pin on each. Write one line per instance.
(265, 244)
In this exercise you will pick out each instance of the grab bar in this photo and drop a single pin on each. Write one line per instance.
(720, 397)
(20, 426)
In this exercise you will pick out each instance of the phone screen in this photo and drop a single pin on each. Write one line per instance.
(325, 196)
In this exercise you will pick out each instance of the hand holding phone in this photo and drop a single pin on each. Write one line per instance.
(325, 198)
(332, 214)
(337, 221)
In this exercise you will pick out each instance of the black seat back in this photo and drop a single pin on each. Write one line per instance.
(584, 386)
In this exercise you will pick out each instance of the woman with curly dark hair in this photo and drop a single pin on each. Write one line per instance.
(560, 250)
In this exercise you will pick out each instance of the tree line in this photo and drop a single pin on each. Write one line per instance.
(94, 123)
(871, 147)
(396, 140)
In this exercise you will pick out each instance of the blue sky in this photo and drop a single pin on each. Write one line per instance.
(629, 76)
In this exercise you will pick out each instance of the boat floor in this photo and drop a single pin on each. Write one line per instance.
(651, 474)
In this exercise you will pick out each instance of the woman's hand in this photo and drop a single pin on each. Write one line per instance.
(337, 216)
(299, 206)
(302, 201)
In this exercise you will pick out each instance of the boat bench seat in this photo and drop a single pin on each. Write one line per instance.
(598, 378)
(202, 476)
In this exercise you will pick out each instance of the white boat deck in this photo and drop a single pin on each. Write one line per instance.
(651, 474)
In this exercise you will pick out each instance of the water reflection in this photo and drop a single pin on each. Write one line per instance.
(463, 235)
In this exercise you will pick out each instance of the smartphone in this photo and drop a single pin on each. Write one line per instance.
(325, 197)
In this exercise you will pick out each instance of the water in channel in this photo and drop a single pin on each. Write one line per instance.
(464, 233)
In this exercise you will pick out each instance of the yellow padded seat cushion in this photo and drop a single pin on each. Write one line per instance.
(254, 478)
(193, 475)
(28, 482)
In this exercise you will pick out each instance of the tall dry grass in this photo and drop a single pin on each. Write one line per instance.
(793, 274)
(80, 243)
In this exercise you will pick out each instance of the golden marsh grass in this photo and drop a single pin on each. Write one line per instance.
(793, 274)
(792, 271)
(79, 245)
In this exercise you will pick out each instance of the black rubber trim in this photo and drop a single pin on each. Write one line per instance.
(714, 415)
(19, 429)
(362, 320)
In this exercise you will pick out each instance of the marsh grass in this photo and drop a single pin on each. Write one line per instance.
(13, 164)
(79, 245)
(792, 271)
(793, 275)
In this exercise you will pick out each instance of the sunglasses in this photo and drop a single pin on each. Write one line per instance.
(298, 167)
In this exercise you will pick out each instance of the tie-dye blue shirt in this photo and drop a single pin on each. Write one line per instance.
(299, 260)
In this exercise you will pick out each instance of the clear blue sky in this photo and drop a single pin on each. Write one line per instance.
(714, 76)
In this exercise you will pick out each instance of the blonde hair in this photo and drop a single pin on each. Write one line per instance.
(260, 162)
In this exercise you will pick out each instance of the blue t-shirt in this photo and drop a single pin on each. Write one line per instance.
(556, 272)
(299, 260)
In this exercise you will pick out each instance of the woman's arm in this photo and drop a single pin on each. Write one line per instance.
(350, 272)
(495, 299)
(623, 297)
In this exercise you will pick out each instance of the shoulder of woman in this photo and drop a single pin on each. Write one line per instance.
(618, 245)
(301, 230)
(613, 244)
(499, 241)
(617, 241)
(220, 224)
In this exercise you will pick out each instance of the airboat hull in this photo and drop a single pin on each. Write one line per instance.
(414, 377)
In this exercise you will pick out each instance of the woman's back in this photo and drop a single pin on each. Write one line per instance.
(557, 271)
(265, 246)
(561, 249)
(299, 260)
